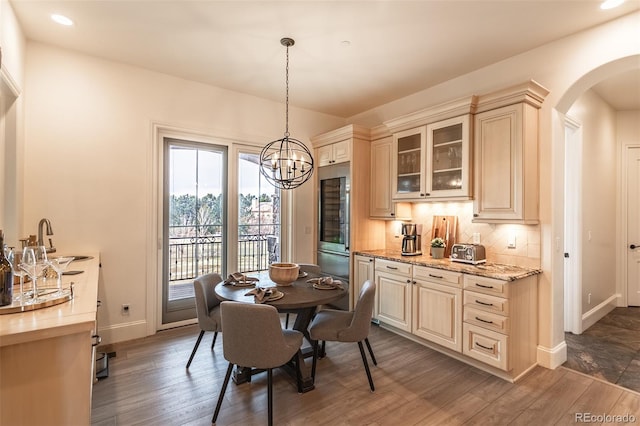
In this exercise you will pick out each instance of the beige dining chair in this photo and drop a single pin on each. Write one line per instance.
(304, 267)
(343, 326)
(253, 337)
(207, 308)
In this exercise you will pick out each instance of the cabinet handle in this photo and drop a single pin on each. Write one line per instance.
(634, 246)
(476, 215)
(370, 260)
(408, 281)
(436, 276)
(484, 320)
(392, 214)
(484, 347)
(483, 303)
(97, 340)
(392, 267)
(427, 194)
(414, 282)
(484, 286)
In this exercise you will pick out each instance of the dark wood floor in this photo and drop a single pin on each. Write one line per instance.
(149, 385)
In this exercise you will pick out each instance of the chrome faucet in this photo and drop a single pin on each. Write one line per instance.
(51, 248)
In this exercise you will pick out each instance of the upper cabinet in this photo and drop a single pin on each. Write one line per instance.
(432, 153)
(339, 152)
(382, 205)
(506, 155)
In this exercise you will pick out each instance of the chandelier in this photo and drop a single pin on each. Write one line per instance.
(286, 163)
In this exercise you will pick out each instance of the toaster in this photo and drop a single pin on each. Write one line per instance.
(468, 253)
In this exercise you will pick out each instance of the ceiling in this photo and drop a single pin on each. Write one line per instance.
(348, 57)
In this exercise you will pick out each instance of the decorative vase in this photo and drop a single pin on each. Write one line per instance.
(437, 252)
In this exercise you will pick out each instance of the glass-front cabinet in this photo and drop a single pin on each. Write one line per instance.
(448, 147)
(409, 149)
(432, 162)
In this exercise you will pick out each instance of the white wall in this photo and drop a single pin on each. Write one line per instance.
(88, 156)
(599, 179)
(565, 67)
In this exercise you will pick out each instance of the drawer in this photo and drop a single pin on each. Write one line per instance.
(487, 320)
(393, 267)
(437, 276)
(486, 303)
(486, 346)
(486, 285)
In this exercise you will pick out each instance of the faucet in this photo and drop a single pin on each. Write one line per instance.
(51, 248)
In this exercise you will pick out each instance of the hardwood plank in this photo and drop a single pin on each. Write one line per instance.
(149, 385)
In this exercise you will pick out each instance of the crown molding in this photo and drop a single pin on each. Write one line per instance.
(530, 92)
(440, 112)
(352, 131)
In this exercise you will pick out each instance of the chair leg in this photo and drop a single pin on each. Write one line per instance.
(195, 348)
(366, 366)
(222, 391)
(373, 357)
(315, 360)
(286, 321)
(270, 395)
(215, 335)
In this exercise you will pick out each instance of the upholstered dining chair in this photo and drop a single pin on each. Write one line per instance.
(342, 326)
(253, 337)
(207, 308)
(304, 267)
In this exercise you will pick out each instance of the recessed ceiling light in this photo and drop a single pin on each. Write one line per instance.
(345, 43)
(62, 20)
(610, 4)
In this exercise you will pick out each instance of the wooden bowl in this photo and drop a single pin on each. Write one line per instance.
(283, 274)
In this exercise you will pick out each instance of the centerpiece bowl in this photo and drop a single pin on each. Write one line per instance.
(283, 274)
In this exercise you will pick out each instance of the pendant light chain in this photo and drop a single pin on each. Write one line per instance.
(286, 126)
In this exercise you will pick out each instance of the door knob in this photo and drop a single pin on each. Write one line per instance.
(633, 246)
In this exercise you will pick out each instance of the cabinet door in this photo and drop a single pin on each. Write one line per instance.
(506, 165)
(382, 205)
(448, 168)
(325, 155)
(363, 271)
(341, 152)
(409, 161)
(437, 314)
(394, 300)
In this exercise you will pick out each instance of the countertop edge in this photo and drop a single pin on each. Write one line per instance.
(488, 270)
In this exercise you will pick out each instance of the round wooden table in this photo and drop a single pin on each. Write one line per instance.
(300, 298)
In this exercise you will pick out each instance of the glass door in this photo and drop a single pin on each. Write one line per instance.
(448, 144)
(194, 221)
(409, 150)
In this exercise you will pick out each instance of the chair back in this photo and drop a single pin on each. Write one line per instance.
(361, 322)
(253, 335)
(206, 299)
(309, 267)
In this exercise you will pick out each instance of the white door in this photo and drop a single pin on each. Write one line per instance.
(633, 226)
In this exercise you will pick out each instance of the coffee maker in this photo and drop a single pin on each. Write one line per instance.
(411, 236)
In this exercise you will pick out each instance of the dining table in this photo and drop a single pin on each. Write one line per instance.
(301, 298)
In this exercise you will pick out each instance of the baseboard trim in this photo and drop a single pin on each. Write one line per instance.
(597, 313)
(552, 358)
(123, 332)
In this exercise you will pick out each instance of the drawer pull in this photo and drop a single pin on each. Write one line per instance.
(96, 340)
(484, 320)
(436, 276)
(392, 267)
(484, 347)
(484, 286)
(484, 303)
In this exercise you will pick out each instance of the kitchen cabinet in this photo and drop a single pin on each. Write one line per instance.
(363, 270)
(437, 306)
(500, 322)
(432, 162)
(449, 158)
(382, 205)
(394, 285)
(334, 153)
(506, 156)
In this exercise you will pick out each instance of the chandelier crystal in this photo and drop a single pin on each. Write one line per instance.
(286, 163)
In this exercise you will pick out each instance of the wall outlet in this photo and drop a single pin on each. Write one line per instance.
(125, 309)
(589, 298)
(476, 238)
(511, 241)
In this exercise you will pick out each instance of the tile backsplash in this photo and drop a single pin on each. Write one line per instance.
(495, 237)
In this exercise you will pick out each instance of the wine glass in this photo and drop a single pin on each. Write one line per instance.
(60, 264)
(34, 260)
(15, 259)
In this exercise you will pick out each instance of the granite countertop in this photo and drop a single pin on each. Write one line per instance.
(490, 270)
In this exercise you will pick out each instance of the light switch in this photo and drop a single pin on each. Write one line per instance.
(511, 241)
(476, 238)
